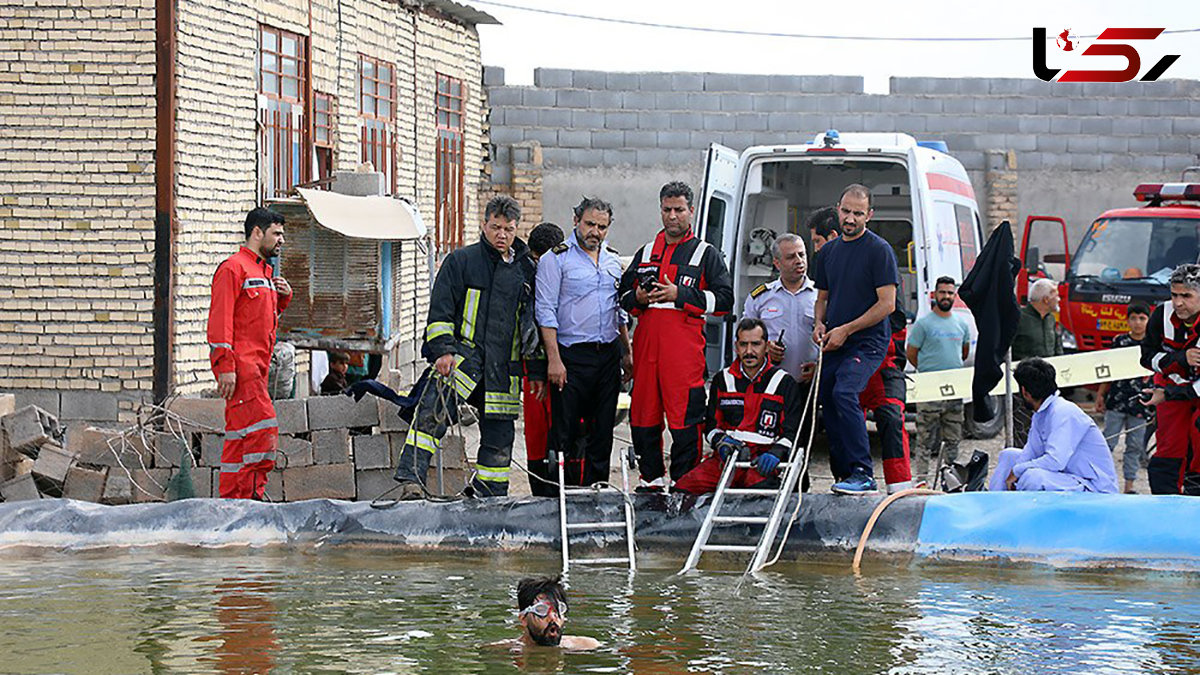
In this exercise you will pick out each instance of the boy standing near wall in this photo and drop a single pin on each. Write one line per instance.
(1121, 404)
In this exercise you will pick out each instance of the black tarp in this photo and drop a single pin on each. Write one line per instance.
(990, 292)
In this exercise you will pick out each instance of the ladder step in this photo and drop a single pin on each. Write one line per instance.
(747, 465)
(752, 520)
(750, 491)
(599, 561)
(736, 548)
(610, 525)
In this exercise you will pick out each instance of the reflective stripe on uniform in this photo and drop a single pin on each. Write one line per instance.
(470, 310)
(698, 254)
(220, 345)
(438, 329)
(421, 440)
(248, 458)
(750, 437)
(710, 301)
(494, 474)
(258, 282)
(234, 434)
(463, 384)
(776, 380)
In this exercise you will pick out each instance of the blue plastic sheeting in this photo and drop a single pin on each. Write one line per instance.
(1066, 529)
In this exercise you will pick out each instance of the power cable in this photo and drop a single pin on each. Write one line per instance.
(798, 36)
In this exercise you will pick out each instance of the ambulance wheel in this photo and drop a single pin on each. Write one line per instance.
(984, 430)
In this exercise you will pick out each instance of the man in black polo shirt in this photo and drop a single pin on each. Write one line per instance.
(856, 278)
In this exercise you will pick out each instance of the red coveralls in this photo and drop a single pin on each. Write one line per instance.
(1167, 340)
(668, 349)
(537, 434)
(762, 413)
(242, 319)
(884, 396)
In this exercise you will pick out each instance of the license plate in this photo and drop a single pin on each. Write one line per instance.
(1112, 325)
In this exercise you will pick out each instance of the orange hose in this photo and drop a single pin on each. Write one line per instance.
(862, 541)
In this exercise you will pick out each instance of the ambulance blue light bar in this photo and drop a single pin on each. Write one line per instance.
(940, 146)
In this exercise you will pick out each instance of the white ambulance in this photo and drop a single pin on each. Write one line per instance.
(923, 201)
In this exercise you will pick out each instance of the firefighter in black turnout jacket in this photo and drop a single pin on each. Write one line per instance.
(480, 337)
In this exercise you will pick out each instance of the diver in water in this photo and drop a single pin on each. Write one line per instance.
(542, 608)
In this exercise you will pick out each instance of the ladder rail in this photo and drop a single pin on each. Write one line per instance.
(710, 518)
(767, 539)
(628, 502)
(562, 516)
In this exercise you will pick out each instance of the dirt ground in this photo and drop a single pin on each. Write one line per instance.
(818, 464)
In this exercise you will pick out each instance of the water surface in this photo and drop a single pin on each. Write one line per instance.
(355, 611)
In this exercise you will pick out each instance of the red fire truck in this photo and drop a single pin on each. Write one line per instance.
(1127, 254)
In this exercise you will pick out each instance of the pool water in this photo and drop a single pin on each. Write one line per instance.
(367, 611)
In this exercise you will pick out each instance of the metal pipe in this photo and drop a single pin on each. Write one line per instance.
(1008, 400)
(164, 198)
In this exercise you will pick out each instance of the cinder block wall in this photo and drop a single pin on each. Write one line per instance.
(1080, 148)
(77, 199)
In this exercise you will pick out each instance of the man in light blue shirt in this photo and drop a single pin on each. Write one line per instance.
(785, 306)
(939, 340)
(587, 345)
(1065, 451)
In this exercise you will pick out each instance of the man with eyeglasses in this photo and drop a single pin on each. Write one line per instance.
(542, 611)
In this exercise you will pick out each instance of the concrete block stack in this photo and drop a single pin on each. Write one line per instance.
(329, 448)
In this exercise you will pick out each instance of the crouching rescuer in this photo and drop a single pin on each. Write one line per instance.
(247, 298)
(480, 338)
(753, 414)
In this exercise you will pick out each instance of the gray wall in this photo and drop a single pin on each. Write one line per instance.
(1080, 147)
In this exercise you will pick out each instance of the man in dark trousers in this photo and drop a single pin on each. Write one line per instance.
(856, 277)
(671, 285)
(583, 331)
(247, 298)
(480, 337)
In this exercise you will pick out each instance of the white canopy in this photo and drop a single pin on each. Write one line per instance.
(364, 217)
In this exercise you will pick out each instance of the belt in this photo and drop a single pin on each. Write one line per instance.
(591, 346)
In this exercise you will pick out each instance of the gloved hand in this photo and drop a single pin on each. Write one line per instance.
(766, 464)
(727, 446)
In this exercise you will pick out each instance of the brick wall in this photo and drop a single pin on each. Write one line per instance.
(77, 198)
(77, 109)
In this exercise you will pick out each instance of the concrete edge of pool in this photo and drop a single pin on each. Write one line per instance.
(1056, 529)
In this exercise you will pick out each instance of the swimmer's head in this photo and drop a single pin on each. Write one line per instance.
(542, 605)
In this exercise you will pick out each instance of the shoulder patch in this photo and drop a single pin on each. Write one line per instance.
(561, 248)
(758, 290)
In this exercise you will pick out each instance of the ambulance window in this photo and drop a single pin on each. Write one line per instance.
(714, 222)
(968, 247)
(944, 251)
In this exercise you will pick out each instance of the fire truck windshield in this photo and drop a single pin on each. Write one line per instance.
(1136, 249)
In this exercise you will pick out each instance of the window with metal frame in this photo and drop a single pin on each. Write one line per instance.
(324, 119)
(283, 72)
(450, 108)
(377, 108)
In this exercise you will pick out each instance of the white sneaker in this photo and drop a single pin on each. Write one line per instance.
(893, 488)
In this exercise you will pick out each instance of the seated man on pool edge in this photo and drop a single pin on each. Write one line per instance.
(542, 608)
(1065, 451)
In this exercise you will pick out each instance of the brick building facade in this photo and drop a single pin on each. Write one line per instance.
(265, 95)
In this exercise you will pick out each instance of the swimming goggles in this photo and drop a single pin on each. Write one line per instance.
(541, 608)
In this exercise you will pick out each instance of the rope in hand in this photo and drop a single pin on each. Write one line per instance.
(810, 405)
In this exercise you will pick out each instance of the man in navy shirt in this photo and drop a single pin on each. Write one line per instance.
(856, 278)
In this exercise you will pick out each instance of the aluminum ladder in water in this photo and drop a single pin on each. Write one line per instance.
(792, 470)
(566, 527)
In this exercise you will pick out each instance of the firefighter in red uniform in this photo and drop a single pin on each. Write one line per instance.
(672, 283)
(754, 410)
(1170, 350)
(247, 298)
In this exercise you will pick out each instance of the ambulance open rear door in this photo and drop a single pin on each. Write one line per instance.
(716, 223)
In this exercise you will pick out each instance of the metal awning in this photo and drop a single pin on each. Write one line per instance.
(381, 218)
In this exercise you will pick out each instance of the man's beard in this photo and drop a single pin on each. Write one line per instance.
(544, 638)
(269, 252)
(945, 305)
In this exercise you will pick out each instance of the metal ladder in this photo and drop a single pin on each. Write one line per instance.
(792, 470)
(566, 527)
